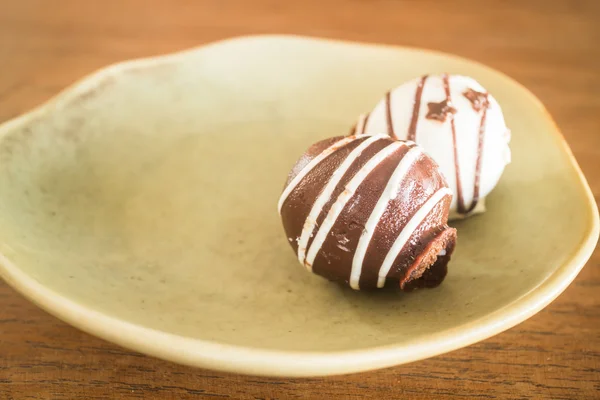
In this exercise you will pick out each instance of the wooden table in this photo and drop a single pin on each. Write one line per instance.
(552, 47)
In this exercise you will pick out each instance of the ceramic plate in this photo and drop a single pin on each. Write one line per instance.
(140, 206)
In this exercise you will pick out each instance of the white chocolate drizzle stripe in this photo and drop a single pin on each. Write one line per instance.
(313, 163)
(325, 195)
(389, 193)
(344, 197)
(406, 233)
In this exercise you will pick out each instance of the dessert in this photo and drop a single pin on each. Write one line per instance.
(458, 123)
(365, 210)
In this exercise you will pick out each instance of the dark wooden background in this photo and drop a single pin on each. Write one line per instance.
(552, 47)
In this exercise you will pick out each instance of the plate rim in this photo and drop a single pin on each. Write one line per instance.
(257, 361)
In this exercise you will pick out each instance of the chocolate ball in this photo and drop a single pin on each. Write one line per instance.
(366, 210)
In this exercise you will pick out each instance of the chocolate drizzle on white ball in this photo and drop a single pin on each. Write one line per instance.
(412, 129)
(366, 209)
(480, 104)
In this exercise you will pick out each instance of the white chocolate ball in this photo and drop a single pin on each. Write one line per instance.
(416, 112)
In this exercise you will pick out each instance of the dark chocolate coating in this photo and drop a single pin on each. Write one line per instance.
(418, 263)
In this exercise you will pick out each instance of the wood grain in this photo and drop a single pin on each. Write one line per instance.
(552, 47)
